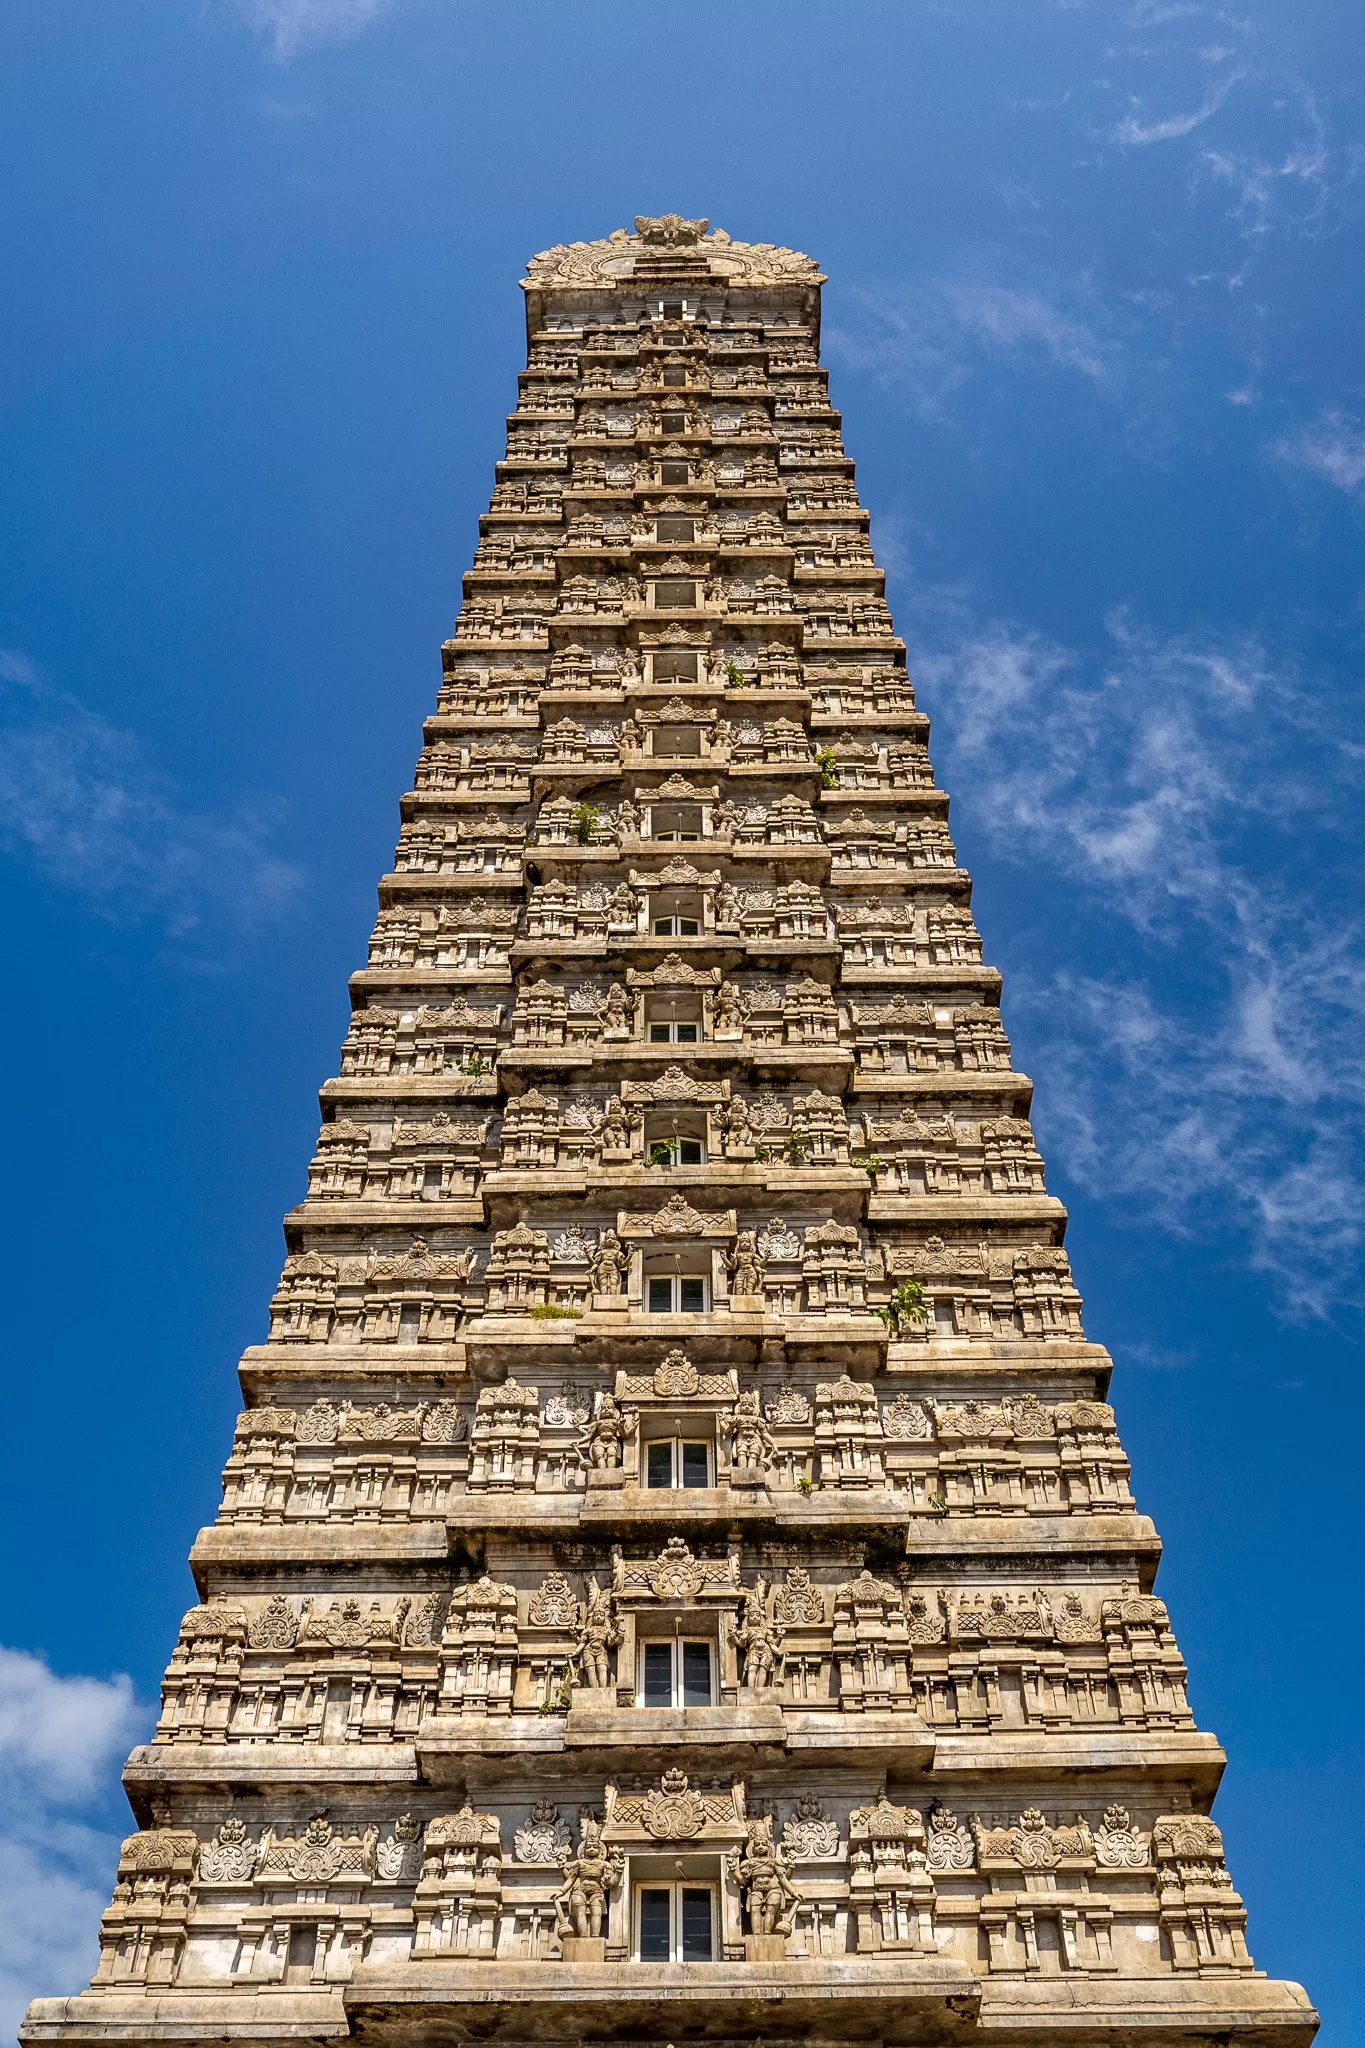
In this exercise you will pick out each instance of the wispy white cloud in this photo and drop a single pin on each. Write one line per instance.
(1334, 449)
(292, 26)
(931, 340)
(60, 1742)
(1297, 187)
(80, 804)
(1210, 1070)
(1133, 131)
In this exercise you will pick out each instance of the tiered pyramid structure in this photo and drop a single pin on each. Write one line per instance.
(676, 1577)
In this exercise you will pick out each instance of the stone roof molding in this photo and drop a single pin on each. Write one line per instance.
(613, 260)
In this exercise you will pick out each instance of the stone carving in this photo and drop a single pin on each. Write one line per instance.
(277, 1628)
(425, 1623)
(398, 1858)
(788, 1406)
(457, 1904)
(761, 1871)
(906, 1420)
(891, 1893)
(752, 1443)
(554, 1606)
(601, 1446)
(591, 1875)
(673, 1813)
(676, 1574)
(759, 1639)
(568, 1408)
(318, 1424)
(320, 1855)
(1118, 1844)
(614, 260)
(230, 1858)
(544, 1838)
(744, 1265)
(810, 1832)
(799, 1603)
(777, 1242)
(598, 1633)
(609, 1263)
(505, 1438)
(676, 1379)
(949, 1843)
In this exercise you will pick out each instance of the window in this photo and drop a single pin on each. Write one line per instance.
(674, 1033)
(673, 667)
(680, 1150)
(674, 925)
(670, 822)
(675, 422)
(675, 373)
(675, 1461)
(674, 472)
(674, 596)
(669, 527)
(674, 1674)
(673, 1923)
(678, 742)
(676, 1294)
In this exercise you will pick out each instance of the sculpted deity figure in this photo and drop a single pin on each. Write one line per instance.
(729, 1011)
(751, 1440)
(609, 1263)
(746, 1277)
(627, 819)
(615, 1127)
(589, 1879)
(761, 1642)
(598, 1632)
(602, 1443)
(729, 904)
(624, 902)
(770, 1897)
(619, 1013)
(735, 1116)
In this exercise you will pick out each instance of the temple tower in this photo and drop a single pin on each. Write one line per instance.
(676, 1578)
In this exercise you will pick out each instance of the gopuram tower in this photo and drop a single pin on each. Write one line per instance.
(676, 1578)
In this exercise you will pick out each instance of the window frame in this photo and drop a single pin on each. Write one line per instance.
(665, 1030)
(677, 1680)
(675, 1887)
(677, 1439)
(674, 1281)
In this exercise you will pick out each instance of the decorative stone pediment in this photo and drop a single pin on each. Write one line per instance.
(678, 1218)
(613, 260)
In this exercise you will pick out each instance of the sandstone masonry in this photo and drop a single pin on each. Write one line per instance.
(676, 1577)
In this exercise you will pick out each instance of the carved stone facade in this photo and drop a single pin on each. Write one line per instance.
(676, 1540)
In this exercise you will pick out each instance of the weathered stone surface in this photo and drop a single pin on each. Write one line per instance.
(677, 1576)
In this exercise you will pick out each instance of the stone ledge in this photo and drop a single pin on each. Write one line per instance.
(1254, 2011)
(262, 2016)
(939, 2000)
(905, 1997)
(1185, 1756)
(257, 1543)
(761, 1724)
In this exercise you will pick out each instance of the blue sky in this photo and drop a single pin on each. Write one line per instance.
(1094, 321)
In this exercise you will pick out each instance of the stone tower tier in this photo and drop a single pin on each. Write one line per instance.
(676, 1576)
